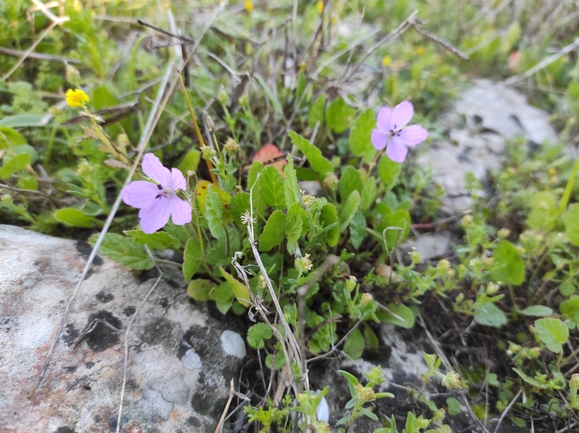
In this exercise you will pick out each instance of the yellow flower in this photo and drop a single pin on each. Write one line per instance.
(420, 50)
(76, 98)
(249, 6)
(320, 7)
(386, 60)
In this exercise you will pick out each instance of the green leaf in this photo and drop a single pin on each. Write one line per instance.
(354, 346)
(23, 120)
(490, 315)
(370, 337)
(329, 216)
(397, 226)
(508, 266)
(10, 138)
(256, 168)
(223, 293)
(200, 289)
(224, 307)
(273, 232)
(388, 171)
(240, 290)
(339, 115)
(360, 142)
(402, 311)
(358, 229)
(297, 209)
(257, 335)
(570, 309)
(571, 219)
(349, 209)
(193, 258)
(543, 214)
(73, 217)
(552, 332)
(350, 181)
(453, 406)
(214, 212)
(156, 241)
(17, 163)
(124, 250)
(369, 192)
(316, 113)
(239, 205)
(271, 188)
(537, 311)
(320, 164)
(529, 379)
(190, 162)
(290, 182)
(294, 228)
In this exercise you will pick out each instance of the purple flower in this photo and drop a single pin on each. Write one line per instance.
(389, 131)
(157, 201)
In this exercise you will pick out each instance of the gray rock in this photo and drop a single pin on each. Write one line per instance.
(494, 113)
(180, 363)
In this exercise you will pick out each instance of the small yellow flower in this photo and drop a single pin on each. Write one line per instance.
(320, 7)
(76, 98)
(420, 50)
(386, 60)
(249, 6)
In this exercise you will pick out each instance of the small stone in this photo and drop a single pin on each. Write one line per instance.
(232, 344)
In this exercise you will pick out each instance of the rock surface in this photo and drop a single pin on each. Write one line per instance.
(486, 116)
(181, 358)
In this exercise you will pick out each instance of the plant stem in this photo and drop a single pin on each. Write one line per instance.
(569, 188)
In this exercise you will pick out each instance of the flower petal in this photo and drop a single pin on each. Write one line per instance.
(139, 194)
(177, 180)
(396, 150)
(402, 114)
(180, 211)
(156, 216)
(153, 168)
(413, 135)
(384, 121)
(379, 139)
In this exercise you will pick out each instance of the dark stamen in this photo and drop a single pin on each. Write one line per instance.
(159, 186)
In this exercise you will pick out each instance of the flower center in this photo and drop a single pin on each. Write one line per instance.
(164, 192)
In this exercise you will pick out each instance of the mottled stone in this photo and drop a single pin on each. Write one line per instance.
(175, 353)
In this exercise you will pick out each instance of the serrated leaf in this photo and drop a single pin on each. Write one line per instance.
(369, 192)
(350, 181)
(74, 218)
(257, 335)
(388, 171)
(360, 142)
(349, 209)
(537, 311)
(293, 228)
(200, 289)
(19, 162)
(274, 231)
(552, 332)
(316, 113)
(318, 162)
(358, 229)
(453, 406)
(156, 241)
(405, 317)
(490, 315)
(239, 289)
(339, 115)
(124, 250)
(571, 220)
(297, 209)
(329, 216)
(271, 188)
(214, 213)
(508, 266)
(193, 258)
(290, 183)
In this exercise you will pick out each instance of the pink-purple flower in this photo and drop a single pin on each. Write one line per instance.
(158, 201)
(390, 131)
